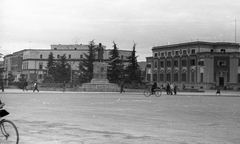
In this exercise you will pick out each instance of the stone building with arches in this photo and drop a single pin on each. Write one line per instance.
(201, 65)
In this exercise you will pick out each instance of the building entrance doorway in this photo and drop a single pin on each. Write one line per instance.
(221, 81)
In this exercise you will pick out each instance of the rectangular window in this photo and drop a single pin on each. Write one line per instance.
(221, 63)
(238, 78)
(193, 51)
(223, 50)
(148, 77)
(162, 63)
(176, 63)
(40, 56)
(184, 52)
(184, 77)
(161, 77)
(162, 54)
(155, 55)
(201, 63)
(69, 56)
(169, 64)
(168, 77)
(176, 53)
(192, 76)
(169, 54)
(40, 65)
(176, 77)
(238, 62)
(58, 56)
(184, 62)
(201, 77)
(148, 65)
(81, 56)
(155, 77)
(192, 62)
(155, 64)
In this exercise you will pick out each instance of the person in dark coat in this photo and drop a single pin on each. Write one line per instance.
(64, 86)
(25, 84)
(2, 84)
(168, 89)
(218, 92)
(122, 87)
(175, 89)
(154, 86)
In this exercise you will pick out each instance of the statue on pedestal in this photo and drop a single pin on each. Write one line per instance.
(100, 52)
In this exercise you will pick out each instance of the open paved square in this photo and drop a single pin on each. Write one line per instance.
(128, 118)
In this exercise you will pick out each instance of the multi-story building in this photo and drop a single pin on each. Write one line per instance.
(196, 65)
(33, 62)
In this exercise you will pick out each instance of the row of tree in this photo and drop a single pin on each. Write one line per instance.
(59, 70)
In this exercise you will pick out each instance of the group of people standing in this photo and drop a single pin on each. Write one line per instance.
(171, 89)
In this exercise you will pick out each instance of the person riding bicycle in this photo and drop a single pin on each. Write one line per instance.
(154, 86)
(3, 112)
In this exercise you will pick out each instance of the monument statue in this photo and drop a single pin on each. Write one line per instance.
(100, 81)
(100, 52)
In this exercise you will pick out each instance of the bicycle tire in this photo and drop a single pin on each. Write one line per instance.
(146, 93)
(158, 93)
(9, 132)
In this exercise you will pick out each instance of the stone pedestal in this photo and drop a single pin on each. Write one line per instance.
(100, 81)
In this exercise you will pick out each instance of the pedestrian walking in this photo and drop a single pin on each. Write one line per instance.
(25, 84)
(168, 89)
(35, 87)
(218, 92)
(64, 86)
(122, 87)
(175, 89)
(171, 89)
(2, 84)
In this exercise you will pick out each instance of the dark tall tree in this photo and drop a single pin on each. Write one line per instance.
(10, 78)
(21, 80)
(86, 65)
(63, 70)
(133, 71)
(48, 77)
(115, 67)
(50, 64)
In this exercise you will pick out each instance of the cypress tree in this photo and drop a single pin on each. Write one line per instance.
(86, 65)
(115, 67)
(133, 71)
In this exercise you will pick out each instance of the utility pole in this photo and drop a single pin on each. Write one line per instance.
(235, 30)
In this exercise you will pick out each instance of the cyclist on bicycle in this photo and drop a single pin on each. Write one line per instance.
(154, 86)
(3, 112)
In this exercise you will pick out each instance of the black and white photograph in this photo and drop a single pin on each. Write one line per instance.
(119, 72)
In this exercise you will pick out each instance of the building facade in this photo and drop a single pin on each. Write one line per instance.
(33, 62)
(202, 65)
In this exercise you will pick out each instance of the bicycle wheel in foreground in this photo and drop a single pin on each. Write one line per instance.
(147, 93)
(158, 93)
(9, 134)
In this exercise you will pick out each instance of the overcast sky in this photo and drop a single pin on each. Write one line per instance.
(40, 23)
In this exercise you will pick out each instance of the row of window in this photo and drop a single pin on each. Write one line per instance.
(168, 77)
(181, 52)
(175, 63)
(58, 56)
(69, 56)
(176, 53)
